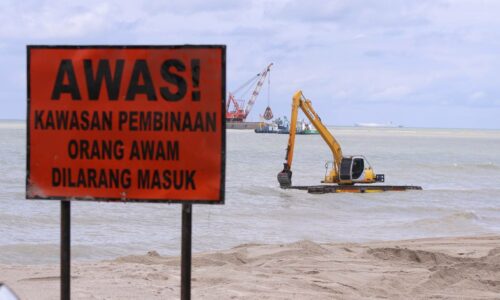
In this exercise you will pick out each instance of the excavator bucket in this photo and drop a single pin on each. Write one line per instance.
(268, 114)
(285, 178)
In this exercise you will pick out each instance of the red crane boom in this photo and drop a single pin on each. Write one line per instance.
(238, 113)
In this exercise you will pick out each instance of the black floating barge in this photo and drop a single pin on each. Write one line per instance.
(323, 189)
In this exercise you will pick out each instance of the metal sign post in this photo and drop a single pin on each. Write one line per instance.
(187, 213)
(65, 250)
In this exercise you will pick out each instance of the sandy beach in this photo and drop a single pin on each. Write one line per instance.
(435, 268)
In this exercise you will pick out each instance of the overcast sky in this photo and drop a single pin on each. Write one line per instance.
(413, 63)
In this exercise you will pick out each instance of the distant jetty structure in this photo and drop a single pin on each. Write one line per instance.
(377, 125)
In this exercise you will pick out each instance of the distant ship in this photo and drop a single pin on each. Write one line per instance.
(377, 125)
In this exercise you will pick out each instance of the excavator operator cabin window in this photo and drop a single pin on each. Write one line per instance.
(358, 166)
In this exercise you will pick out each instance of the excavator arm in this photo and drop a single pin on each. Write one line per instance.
(299, 101)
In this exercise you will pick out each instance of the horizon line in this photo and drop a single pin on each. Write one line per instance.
(353, 125)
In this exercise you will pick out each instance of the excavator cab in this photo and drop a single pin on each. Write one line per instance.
(356, 169)
(352, 170)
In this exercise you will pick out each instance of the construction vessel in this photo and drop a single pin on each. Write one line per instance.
(345, 172)
(237, 110)
(301, 128)
(282, 127)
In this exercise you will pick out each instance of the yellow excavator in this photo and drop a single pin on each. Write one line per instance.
(346, 170)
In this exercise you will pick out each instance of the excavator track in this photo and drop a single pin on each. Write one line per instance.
(324, 189)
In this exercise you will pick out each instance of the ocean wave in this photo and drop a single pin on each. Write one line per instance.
(29, 253)
(255, 190)
(454, 188)
(43, 253)
(485, 166)
(450, 219)
(453, 167)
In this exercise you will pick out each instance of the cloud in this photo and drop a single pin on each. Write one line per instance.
(56, 21)
(339, 52)
(393, 92)
(477, 95)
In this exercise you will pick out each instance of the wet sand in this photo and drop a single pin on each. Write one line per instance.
(436, 268)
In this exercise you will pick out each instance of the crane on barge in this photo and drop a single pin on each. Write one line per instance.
(239, 111)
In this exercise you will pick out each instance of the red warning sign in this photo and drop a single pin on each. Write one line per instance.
(126, 123)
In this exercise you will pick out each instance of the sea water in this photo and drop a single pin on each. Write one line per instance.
(458, 169)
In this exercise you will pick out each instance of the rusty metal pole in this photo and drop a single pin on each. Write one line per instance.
(187, 211)
(65, 250)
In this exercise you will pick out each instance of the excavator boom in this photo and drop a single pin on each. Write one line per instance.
(299, 101)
